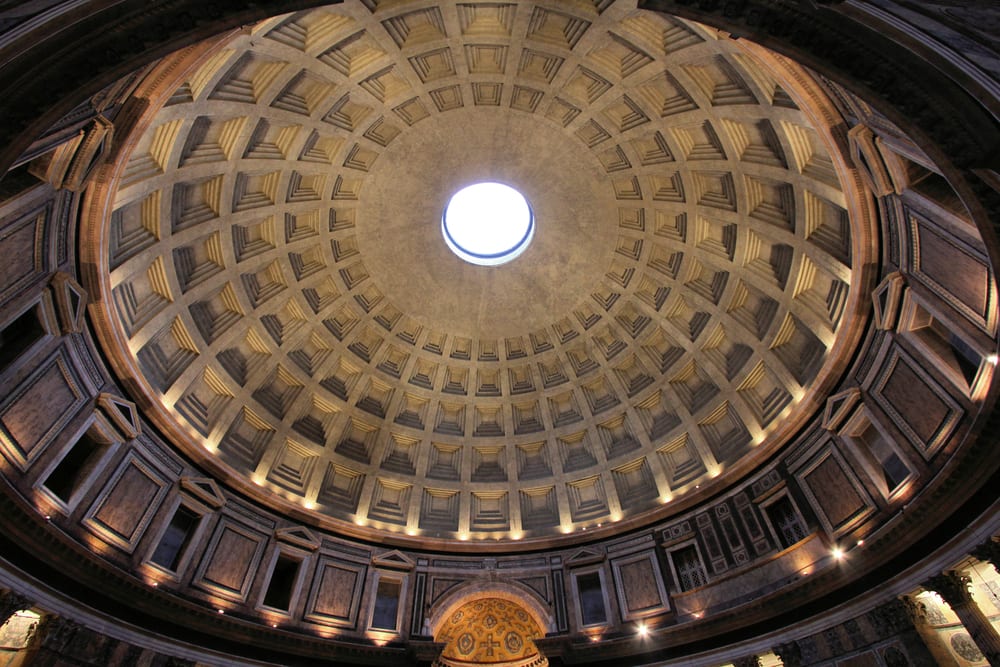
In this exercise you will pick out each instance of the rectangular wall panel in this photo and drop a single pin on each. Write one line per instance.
(336, 592)
(917, 405)
(34, 413)
(231, 560)
(958, 274)
(127, 503)
(835, 492)
(639, 586)
(24, 252)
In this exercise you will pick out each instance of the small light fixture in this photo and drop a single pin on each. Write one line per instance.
(643, 630)
(837, 553)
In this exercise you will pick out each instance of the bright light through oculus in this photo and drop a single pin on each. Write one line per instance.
(488, 224)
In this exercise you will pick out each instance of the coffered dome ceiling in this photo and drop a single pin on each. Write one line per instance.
(281, 286)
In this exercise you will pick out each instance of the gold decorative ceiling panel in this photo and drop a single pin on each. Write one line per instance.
(489, 631)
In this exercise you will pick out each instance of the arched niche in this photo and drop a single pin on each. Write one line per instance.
(514, 592)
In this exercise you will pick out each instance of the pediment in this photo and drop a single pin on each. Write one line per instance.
(122, 414)
(205, 490)
(393, 560)
(299, 536)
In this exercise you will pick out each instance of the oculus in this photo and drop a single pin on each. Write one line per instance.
(488, 224)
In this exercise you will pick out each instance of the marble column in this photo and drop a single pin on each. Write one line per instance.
(954, 588)
(917, 612)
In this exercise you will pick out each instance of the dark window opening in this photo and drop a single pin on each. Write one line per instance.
(894, 471)
(936, 188)
(591, 592)
(18, 336)
(386, 605)
(175, 539)
(690, 571)
(279, 589)
(786, 521)
(76, 465)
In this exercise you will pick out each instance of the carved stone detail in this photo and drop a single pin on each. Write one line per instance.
(952, 586)
(790, 654)
(10, 603)
(989, 552)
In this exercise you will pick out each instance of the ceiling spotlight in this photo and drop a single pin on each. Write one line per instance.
(837, 553)
(642, 630)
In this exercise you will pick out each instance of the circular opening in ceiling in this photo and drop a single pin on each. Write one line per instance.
(488, 224)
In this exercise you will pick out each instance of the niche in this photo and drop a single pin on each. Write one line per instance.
(590, 593)
(70, 475)
(176, 538)
(282, 583)
(385, 612)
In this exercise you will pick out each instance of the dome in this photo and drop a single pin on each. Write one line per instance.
(275, 279)
(723, 393)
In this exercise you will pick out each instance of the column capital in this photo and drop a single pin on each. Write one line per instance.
(915, 609)
(11, 602)
(989, 552)
(790, 654)
(952, 586)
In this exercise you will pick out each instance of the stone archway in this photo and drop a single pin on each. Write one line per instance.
(490, 631)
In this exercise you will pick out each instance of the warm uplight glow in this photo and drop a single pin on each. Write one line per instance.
(488, 224)
(642, 630)
(837, 553)
(992, 359)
